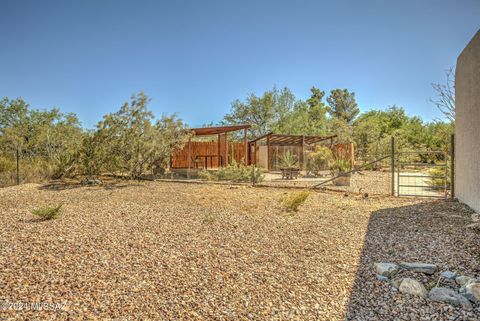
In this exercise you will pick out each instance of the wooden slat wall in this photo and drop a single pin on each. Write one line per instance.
(345, 151)
(235, 151)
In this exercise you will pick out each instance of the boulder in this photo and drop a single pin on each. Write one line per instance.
(396, 282)
(449, 296)
(471, 291)
(419, 267)
(463, 279)
(448, 275)
(386, 269)
(413, 287)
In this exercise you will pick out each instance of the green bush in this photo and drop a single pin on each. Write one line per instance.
(320, 159)
(340, 165)
(47, 212)
(235, 172)
(293, 200)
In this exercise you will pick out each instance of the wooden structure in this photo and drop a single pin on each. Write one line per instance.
(266, 151)
(211, 154)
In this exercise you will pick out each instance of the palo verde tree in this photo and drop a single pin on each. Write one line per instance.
(49, 137)
(131, 144)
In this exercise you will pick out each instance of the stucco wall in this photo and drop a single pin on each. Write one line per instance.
(467, 124)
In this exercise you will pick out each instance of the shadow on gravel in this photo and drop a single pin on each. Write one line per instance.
(61, 186)
(429, 232)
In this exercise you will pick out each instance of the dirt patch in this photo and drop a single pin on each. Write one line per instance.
(157, 250)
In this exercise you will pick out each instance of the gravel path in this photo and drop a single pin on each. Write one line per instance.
(156, 250)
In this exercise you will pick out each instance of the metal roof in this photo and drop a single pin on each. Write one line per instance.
(281, 139)
(206, 131)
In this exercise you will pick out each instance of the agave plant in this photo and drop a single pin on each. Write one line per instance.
(288, 160)
(341, 166)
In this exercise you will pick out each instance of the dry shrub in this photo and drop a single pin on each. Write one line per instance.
(320, 159)
(234, 172)
(46, 213)
(294, 199)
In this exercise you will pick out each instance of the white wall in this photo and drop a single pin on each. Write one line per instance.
(467, 125)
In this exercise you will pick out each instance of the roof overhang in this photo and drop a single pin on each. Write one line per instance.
(207, 131)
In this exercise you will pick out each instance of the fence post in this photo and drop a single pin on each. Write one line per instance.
(452, 166)
(18, 167)
(393, 166)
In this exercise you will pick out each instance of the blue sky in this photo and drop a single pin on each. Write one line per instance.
(196, 57)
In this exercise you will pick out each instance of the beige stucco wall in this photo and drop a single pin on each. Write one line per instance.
(467, 124)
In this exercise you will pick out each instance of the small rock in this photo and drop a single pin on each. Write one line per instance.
(471, 291)
(448, 275)
(474, 226)
(386, 269)
(449, 296)
(381, 278)
(413, 287)
(396, 282)
(463, 279)
(419, 267)
(476, 217)
(92, 181)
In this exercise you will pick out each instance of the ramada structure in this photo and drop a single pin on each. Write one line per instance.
(265, 151)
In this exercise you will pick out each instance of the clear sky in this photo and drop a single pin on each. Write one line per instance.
(196, 57)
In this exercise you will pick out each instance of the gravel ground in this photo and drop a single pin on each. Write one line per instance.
(157, 250)
(371, 182)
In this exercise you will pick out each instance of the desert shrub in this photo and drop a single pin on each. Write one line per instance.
(340, 165)
(293, 200)
(235, 172)
(47, 212)
(288, 160)
(207, 175)
(320, 159)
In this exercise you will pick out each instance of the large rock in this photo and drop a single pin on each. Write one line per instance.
(449, 296)
(396, 282)
(419, 267)
(386, 269)
(471, 291)
(382, 278)
(412, 287)
(463, 279)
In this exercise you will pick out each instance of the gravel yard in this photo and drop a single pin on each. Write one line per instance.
(159, 250)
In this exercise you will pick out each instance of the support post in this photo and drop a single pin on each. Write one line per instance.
(393, 166)
(302, 164)
(452, 166)
(226, 149)
(18, 167)
(189, 158)
(245, 143)
(268, 152)
(219, 153)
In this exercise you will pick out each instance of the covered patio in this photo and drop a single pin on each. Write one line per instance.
(210, 154)
(267, 151)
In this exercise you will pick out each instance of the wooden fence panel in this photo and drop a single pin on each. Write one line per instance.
(235, 152)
